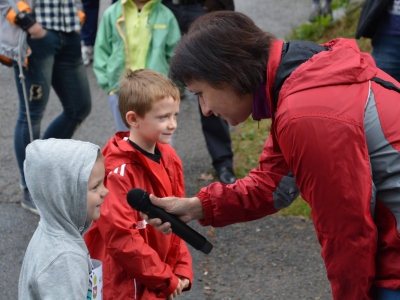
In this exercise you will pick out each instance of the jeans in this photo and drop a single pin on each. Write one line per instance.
(113, 103)
(386, 294)
(386, 54)
(55, 62)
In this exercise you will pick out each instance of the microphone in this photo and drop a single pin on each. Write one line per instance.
(139, 200)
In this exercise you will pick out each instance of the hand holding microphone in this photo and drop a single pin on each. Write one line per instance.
(139, 200)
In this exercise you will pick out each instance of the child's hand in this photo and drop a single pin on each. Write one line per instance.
(182, 284)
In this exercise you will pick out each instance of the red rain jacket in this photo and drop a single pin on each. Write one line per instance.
(319, 144)
(139, 262)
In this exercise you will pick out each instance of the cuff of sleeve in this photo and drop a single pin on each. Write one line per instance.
(170, 289)
(82, 17)
(12, 15)
(6, 61)
(207, 208)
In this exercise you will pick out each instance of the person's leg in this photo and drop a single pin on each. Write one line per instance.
(37, 82)
(326, 8)
(218, 141)
(386, 294)
(315, 11)
(185, 14)
(113, 103)
(385, 52)
(71, 85)
(89, 29)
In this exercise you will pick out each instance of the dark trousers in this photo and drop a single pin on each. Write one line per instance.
(215, 130)
(89, 29)
(218, 140)
(185, 14)
(55, 62)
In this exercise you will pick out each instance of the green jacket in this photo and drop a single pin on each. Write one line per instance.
(110, 49)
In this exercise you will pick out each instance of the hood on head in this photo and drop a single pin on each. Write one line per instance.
(57, 173)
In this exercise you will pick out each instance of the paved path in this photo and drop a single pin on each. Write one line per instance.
(272, 258)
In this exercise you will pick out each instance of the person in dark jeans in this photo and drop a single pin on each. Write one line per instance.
(216, 130)
(55, 62)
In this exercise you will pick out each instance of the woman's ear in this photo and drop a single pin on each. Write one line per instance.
(131, 118)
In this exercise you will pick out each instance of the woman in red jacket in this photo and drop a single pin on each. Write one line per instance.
(334, 139)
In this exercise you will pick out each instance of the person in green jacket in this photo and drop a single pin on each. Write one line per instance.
(133, 34)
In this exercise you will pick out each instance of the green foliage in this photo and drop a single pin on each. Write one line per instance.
(312, 31)
(298, 208)
(247, 142)
(339, 3)
(249, 137)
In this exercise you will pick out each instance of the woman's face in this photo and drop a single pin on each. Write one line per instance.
(222, 102)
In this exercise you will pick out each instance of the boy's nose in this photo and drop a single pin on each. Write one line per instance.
(172, 124)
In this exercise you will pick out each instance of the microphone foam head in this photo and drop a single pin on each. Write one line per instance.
(138, 199)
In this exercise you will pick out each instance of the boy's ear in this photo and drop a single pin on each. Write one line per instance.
(132, 118)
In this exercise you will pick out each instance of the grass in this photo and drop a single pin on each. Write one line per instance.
(248, 138)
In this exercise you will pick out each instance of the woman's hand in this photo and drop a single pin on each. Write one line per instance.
(186, 209)
(37, 31)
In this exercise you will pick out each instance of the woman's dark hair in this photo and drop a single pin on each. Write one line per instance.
(222, 47)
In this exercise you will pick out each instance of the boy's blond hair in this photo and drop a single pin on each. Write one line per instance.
(140, 89)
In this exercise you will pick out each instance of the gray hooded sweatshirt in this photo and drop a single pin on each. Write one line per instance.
(57, 264)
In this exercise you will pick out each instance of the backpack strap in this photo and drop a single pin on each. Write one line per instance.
(386, 84)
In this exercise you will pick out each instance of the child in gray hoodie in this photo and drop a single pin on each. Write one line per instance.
(65, 178)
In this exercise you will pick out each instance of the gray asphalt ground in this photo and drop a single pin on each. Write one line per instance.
(272, 258)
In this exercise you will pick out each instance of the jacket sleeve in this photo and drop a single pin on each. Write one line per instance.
(174, 35)
(179, 259)
(71, 272)
(4, 7)
(118, 228)
(7, 11)
(183, 265)
(102, 51)
(266, 189)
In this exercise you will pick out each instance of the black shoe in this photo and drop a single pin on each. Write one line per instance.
(226, 175)
(27, 202)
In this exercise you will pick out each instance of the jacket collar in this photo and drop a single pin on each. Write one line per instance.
(261, 108)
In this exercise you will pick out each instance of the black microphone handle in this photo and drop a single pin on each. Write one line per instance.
(181, 229)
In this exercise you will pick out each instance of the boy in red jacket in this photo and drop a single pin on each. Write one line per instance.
(139, 262)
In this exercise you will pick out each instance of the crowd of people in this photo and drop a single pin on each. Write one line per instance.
(334, 140)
